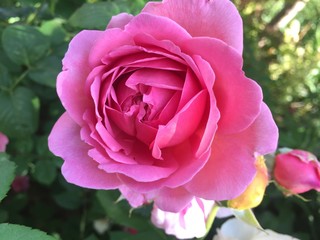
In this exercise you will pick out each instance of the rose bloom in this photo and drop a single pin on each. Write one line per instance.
(157, 105)
(297, 171)
(188, 223)
(3, 142)
(235, 229)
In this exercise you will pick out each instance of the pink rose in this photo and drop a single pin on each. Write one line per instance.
(3, 142)
(188, 223)
(158, 106)
(297, 171)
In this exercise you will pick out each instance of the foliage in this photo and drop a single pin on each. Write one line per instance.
(34, 36)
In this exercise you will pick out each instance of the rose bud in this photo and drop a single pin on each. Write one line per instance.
(297, 171)
(254, 193)
(3, 142)
(20, 184)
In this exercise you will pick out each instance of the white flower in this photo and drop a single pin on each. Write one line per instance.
(235, 229)
(189, 223)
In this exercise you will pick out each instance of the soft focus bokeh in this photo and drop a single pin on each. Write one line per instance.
(282, 53)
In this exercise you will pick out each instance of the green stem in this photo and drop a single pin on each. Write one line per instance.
(18, 80)
(212, 216)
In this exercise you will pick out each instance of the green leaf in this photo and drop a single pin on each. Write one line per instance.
(91, 237)
(6, 62)
(117, 235)
(54, 30)
(5, 79)
(6, 175)
(18, 232)
(71, 198)
(247, 216)
(46, 71)
(45, 172)
(24, 45)
(93, 15)
(97, 15)
(18, 112)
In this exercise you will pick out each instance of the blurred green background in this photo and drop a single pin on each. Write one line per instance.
(282, 53)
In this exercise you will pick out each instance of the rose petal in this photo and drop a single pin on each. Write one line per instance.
(135, 199)
(189, 163)
(168, 111)
(139, 172)
(182, 126)
(110, 39)
(221, 18)
(147, 168)
(203, 138)
(156, 78)
(227, 173)
(190, 88)
(157, 99)
(188, 166)
(232, 160)
(159, 63)
(149, 24)
(78, 168)
(120, 20)
(231, 88)
(71, 81)
(263, 134)
(164, 199)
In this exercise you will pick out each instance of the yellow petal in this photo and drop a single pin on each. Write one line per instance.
(254, 193)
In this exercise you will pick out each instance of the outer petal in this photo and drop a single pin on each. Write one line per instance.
(172, 200)
(120, 20)
(78, 168)
(110, 40)
(231, 167)
(150, 24)
(71, 81)
(134, 198)
(212, 18)
(238, 98)
(3, 142)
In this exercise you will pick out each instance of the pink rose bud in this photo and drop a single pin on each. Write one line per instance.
(132, 231)
(20, 184)
(297, 171)
(3, 142)
(189, 223)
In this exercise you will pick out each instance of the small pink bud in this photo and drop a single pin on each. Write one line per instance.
(297, 171)
(20, 184)
(3, 142)
(132, 231)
